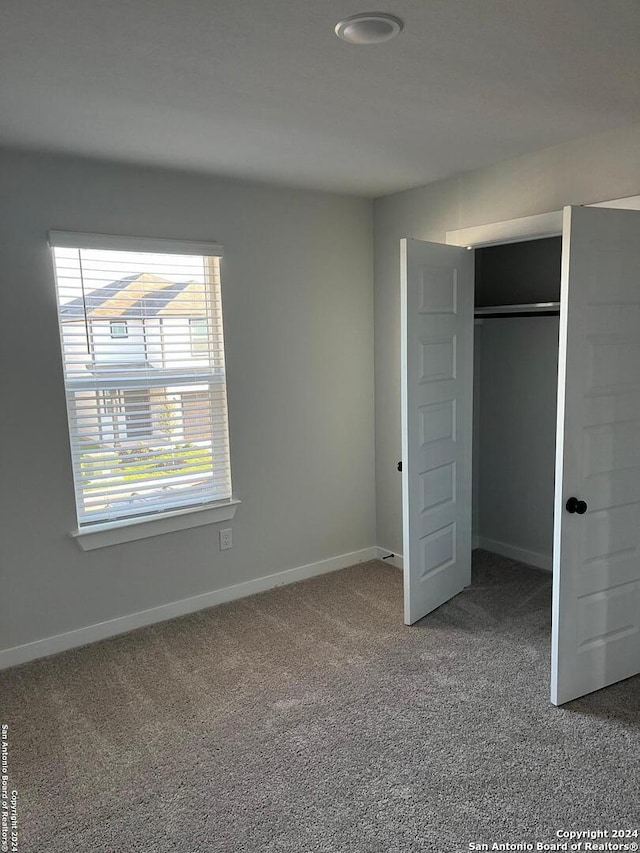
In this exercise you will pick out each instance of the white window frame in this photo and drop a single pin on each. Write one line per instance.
(115, 532)
(119, 335)
(194, 338)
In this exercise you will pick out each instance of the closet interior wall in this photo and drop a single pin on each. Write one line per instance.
(515, 388)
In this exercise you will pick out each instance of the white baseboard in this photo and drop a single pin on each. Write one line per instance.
(111, 628)
(391, 557)
(531, 558)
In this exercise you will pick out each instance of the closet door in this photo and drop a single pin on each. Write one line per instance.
(596, 584)
(436, 388)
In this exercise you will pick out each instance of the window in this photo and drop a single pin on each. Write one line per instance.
(119, 329)
(143, 352)
(199, 334)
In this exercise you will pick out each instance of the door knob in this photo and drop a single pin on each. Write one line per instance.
(574, 505)
(399, 466)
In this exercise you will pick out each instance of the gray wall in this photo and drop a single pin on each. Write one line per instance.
(588, 170)
(298, 310)
(516, 431)
(477, 379)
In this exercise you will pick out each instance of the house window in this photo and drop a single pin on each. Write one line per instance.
(146, 393)
(199, 335)
(119, 329)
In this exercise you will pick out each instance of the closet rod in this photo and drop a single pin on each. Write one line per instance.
(528, 309)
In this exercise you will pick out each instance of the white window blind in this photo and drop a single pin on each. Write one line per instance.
(143, 351)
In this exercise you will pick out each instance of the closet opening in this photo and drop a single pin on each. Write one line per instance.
(517, 300)
(534, 454)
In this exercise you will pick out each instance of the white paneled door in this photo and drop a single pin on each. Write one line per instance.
(437, 388)
(596, 594)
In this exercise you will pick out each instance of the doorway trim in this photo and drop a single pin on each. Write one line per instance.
(510, 231)
(526, 227)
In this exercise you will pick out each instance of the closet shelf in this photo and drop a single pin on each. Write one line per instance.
(526, 309)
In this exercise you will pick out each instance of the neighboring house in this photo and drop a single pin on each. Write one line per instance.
(149, 323)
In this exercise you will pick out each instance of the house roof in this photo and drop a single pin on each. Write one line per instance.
(138, 297)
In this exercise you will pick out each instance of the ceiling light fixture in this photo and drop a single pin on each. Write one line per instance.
(369, 28)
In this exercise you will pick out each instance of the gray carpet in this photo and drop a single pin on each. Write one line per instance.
(310, 719)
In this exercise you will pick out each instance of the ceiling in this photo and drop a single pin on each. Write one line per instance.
(263, 89)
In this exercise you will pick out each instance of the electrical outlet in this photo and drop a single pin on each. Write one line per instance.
(226, 540)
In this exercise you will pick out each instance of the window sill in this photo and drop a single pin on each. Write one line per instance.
(116, 532)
